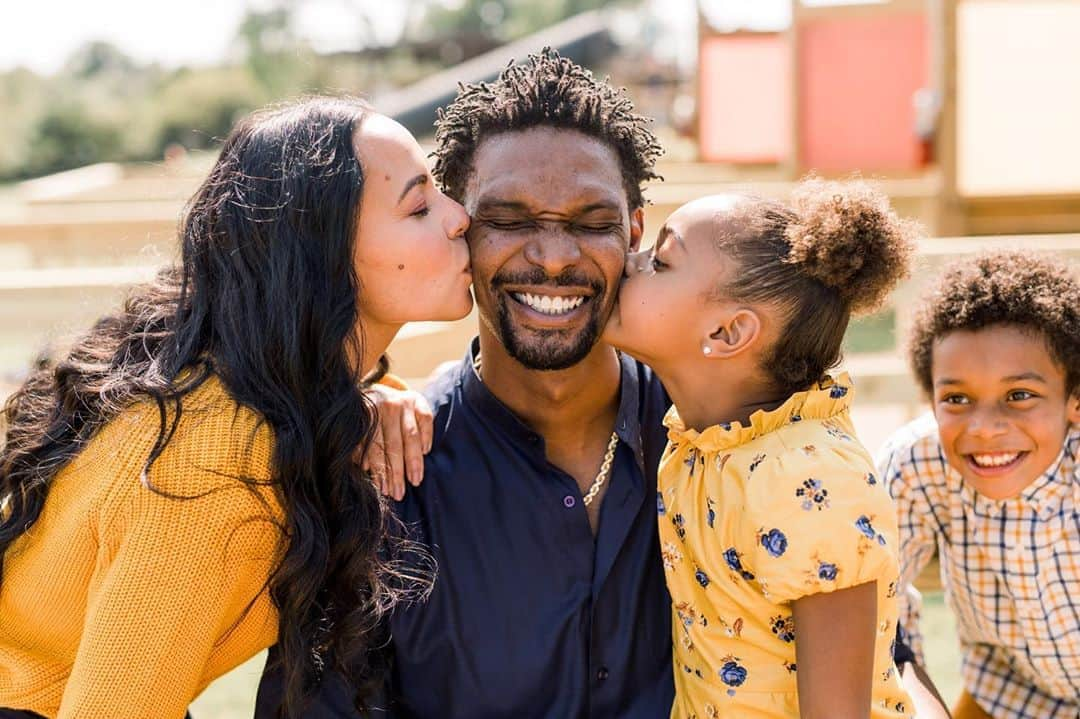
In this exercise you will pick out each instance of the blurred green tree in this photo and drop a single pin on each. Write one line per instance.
(68, 136)
(280, 62)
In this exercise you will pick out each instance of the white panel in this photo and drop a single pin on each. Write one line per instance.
(1018, 97)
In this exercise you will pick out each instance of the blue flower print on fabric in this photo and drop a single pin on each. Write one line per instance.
(710, 517)
(679, 523)
(691, 457)
(834, 431)
(813, 494)
(732, 673)
(660, 508)
(702, 578)
(688, 670)
(826, 571)
(774, 541)
(863, 525)
(734, 562)
(837, 391)
(784, 628)
(871, 479)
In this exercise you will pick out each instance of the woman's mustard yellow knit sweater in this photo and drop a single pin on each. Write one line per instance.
(122, 602)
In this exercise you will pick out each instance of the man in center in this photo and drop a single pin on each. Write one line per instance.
(538, 501)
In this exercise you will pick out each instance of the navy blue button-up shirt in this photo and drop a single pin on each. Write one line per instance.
(531, 616)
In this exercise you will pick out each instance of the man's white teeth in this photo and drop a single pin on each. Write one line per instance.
(994, 460)
(549, 305)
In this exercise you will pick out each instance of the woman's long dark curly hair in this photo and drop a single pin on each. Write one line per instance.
(265, 296)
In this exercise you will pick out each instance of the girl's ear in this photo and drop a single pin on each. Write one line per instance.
(1072, 409)
(733, 335)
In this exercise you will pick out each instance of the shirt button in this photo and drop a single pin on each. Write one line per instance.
(602, 674)
(569, 501)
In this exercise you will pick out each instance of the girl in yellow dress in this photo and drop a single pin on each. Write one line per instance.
(779, 543)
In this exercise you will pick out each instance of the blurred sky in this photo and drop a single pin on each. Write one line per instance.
(40, 34)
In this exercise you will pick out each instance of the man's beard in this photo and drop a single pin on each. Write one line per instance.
(549, 349)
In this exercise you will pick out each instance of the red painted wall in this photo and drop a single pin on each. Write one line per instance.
(857, 77)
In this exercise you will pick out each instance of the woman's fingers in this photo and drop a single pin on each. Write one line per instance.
(413, 447)
(374, 460)
(403, 434)
(393, 462)
(426, 421)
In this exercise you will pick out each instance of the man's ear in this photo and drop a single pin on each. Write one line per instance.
(733, 334)
(1072, 410)
(637, 228)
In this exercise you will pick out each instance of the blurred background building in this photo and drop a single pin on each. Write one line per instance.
(965, 111)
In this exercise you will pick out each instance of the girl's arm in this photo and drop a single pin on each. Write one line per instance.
(834, 650)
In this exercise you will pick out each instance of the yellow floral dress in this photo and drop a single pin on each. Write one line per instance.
(753, 518)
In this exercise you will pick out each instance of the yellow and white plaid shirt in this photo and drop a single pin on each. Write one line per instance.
(1011, 572)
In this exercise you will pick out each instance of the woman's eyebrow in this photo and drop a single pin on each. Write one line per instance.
(418, 180)
(668, 233)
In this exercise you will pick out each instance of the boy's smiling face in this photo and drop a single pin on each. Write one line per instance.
(1001, 406)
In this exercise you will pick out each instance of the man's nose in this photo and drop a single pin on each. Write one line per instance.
(553, 250)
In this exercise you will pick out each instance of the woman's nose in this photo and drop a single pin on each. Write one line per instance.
(459, 220)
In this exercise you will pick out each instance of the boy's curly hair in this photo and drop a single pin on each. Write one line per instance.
(545, 90)
(1004, 287)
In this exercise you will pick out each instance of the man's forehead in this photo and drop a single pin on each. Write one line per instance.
(545, 164)
(571, 195)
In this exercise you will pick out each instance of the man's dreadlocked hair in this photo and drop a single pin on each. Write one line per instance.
(549, 90)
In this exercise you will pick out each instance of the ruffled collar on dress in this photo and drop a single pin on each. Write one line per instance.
(825, 399)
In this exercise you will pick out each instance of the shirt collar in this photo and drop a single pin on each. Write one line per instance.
(488, 405)
(627, 422)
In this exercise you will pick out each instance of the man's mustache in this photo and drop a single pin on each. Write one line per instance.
(569, 277)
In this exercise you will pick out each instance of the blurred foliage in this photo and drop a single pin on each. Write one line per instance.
(104, 106)
(501, 20)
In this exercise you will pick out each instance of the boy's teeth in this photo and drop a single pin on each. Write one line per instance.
(994, 460)
(548, 304)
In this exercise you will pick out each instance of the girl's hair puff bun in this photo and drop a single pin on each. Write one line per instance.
(847, 237)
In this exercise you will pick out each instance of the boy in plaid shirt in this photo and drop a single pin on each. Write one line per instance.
(991, 480)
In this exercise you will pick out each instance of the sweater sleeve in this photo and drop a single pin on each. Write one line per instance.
(174, 576)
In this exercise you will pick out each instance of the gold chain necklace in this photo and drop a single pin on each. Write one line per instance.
(605, 466)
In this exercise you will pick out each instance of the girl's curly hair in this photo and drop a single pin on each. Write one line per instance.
(838, 249)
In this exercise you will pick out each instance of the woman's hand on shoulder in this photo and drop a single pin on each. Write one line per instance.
(403, 435)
